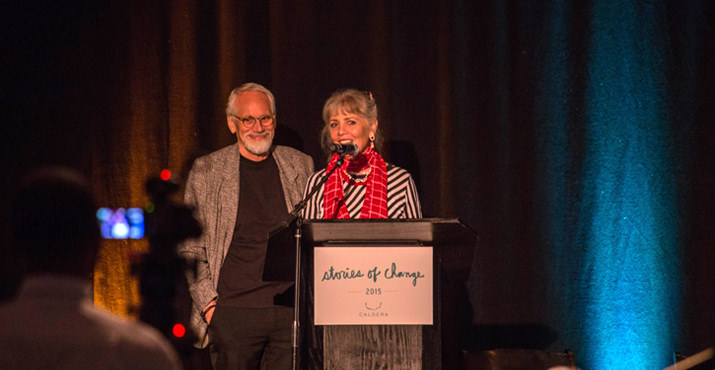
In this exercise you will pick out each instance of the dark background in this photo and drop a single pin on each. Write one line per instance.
(122, 89)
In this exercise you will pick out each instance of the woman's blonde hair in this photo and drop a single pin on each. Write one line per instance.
(351, 101)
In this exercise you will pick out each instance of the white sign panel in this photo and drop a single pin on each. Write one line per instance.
(373, 285)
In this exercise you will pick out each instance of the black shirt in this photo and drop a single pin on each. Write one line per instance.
(261, 207)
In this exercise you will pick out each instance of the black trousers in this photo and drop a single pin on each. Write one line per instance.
(251, 338)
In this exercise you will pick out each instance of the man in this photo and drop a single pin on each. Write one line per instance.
(52, 323)
(240, 193)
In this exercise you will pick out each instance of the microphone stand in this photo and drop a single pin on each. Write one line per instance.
(294, 215)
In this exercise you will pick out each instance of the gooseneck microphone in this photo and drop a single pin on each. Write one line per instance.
(345, 149)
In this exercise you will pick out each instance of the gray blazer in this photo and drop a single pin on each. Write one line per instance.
(212, 189)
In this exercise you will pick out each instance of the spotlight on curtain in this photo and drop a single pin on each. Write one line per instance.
(629, 269)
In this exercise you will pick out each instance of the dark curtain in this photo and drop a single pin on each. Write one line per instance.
(573, 137)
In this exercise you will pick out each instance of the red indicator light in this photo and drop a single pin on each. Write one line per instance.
(165, 175)
(178, 330)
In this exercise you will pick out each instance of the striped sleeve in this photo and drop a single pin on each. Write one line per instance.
(314, 207)
(402, 198)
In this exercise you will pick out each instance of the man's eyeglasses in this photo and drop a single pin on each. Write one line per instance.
(249, 121)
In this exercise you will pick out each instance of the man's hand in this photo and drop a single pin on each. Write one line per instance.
(208, 311)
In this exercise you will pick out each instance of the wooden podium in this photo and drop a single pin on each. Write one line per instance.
(436, 346)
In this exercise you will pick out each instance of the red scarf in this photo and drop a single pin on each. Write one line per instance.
(375, 203)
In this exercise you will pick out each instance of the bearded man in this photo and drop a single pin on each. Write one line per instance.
(240, 193)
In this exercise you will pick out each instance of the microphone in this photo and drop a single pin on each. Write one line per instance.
(345, 149)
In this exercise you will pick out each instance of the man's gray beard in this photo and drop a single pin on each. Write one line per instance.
(259, 148)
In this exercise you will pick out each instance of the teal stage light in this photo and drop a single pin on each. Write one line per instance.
(630, 262)
(609, 187)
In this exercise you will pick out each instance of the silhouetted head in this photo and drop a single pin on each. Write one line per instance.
(54, 224)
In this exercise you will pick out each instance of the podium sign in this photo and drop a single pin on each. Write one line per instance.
(373, 285)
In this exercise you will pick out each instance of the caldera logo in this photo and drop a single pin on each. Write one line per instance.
(373, 311)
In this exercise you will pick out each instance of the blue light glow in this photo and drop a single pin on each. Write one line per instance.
(630, 263)
(121, 223)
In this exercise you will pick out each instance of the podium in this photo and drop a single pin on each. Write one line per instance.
(430, 347)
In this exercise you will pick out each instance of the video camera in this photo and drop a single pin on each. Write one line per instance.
(166, 303)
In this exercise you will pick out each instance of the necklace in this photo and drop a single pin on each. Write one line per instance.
(359, 176)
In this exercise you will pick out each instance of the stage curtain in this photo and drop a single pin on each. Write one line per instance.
(574, 138)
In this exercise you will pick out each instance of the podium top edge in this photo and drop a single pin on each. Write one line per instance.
(438, 230)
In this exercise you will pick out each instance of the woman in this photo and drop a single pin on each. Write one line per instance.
(365, 186)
